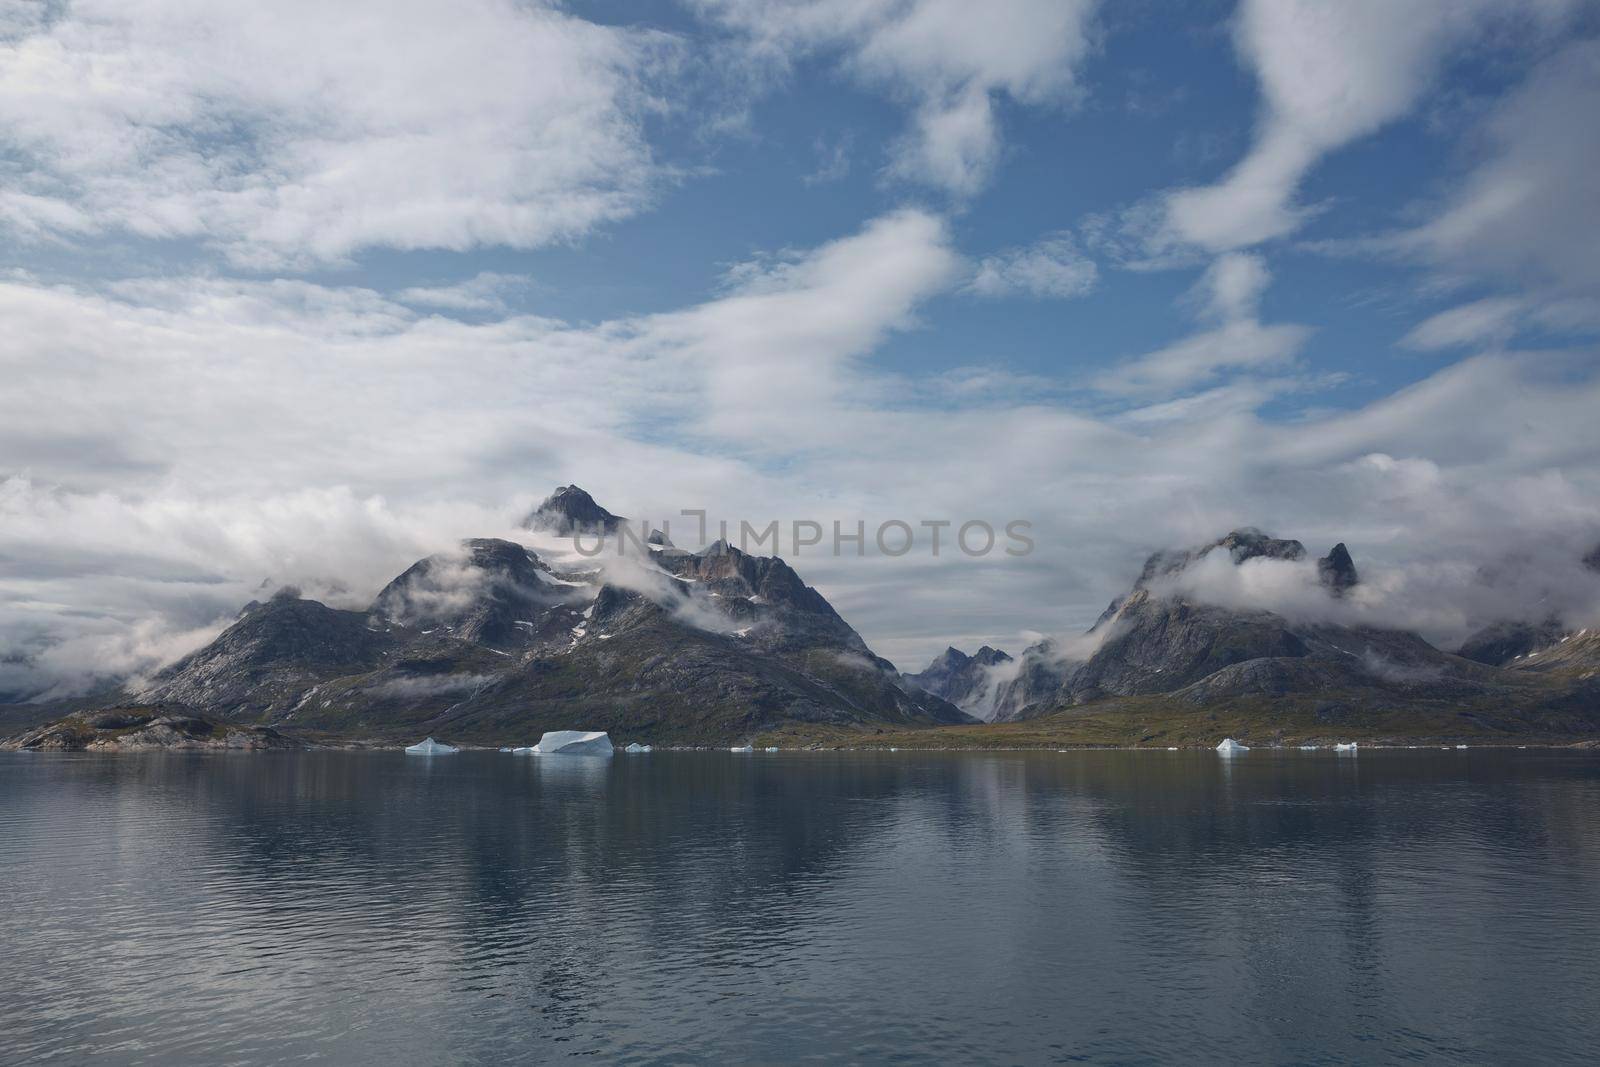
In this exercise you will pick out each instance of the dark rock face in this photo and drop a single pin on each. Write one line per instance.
(1035, 687)
(264, 662)
(491, 643)
(966, 681)
(492, 593)
(1500, 643)
(570, 510)
(1161, 645)
(1337, 570)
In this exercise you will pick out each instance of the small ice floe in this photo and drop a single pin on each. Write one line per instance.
(430, 747)
(523, 750)
(634, 748)
(1229, 746)
(774, 748)
(1461, 746)
(742, 748)
(573, 743)
(1308, 748)
(507, 748)
(1170, 748)
(1343, 746)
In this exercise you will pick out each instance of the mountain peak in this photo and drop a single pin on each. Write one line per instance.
(1337, 570)
(571, 510)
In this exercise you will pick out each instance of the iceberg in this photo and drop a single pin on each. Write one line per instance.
(636, 748)
(1461, 746)
(1229, 746)
(742, 748)
(1343, 747)
(573, 743)
(525, 750)
(430, 747)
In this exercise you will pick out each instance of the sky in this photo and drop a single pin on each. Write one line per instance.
(297, 293)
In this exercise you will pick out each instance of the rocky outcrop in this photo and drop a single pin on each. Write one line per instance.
(1502, 643)
(145, 727)
(490, 593)
(1337, 571)
(570, 510)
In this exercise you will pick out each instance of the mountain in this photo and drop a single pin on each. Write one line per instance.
(491, 643)
(570, 510)
(1158, 642)
(971, 683)
(1503, 642)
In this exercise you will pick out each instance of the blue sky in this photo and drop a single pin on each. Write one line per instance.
(297, 295)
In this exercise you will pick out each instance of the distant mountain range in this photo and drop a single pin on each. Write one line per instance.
(491, 643)
(1156, 643)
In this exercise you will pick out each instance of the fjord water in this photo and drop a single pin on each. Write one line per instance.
(371, 907)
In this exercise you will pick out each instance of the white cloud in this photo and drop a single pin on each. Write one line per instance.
(1329, 73)
(1229, 294)
(1524, 214)
(298, 132)
(1051, 267)
(486, 291)
(1482, 322)
(947, 59)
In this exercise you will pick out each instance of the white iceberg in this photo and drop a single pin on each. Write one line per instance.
(636, 748)
(573, 743)
(430, 747)
(774, 748)
(524, 750)
(1229, 746)
(1343, 747)
(742, 748)
(1461, 746)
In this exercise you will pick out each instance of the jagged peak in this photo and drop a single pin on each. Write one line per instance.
(570, 509)
(1337, 570)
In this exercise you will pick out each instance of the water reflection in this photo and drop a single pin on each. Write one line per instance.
(490, 907)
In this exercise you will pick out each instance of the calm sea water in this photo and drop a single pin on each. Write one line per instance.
(711, 907)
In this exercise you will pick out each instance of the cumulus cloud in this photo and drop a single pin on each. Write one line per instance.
(948, 61)
(303, 133)
(1329, 74)
(1051, 267)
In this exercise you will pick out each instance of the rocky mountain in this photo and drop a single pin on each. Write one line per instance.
(972, 683)
(1158, 642)
(570, 510)
(492, 643)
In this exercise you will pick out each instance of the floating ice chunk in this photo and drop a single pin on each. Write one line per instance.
(1343, 747)
(524, 750)
(1229, 746)
(1170, 748)
(774, 748)
(1461, 746)
(573, 743)
(507, 748)
(742, 748)
(636, 747)
(430, 747)
(1308, 748)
